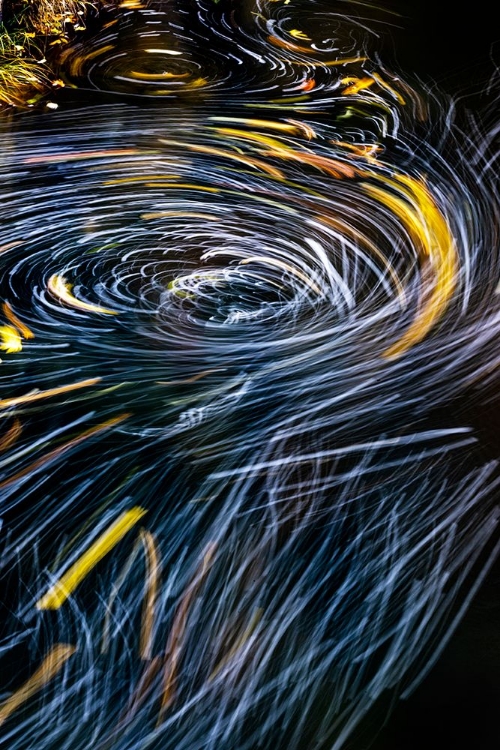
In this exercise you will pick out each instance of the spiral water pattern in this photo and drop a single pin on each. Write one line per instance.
(239, 499)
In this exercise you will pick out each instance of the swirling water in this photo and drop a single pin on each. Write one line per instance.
(245, 300)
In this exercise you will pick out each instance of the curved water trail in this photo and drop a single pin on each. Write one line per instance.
(241, 498)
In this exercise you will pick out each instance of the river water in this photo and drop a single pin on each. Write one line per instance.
(249, 278)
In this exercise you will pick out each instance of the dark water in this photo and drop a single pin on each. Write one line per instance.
(456, 704)
(235, 384)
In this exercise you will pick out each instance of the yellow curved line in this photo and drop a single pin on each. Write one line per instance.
(38, 395)
(151, 593)
(67, 583)
(61, 289)
(410, 200)
(51, 665)
(23, 329)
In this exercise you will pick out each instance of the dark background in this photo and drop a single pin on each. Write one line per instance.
(457, 705)
(439, 41)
